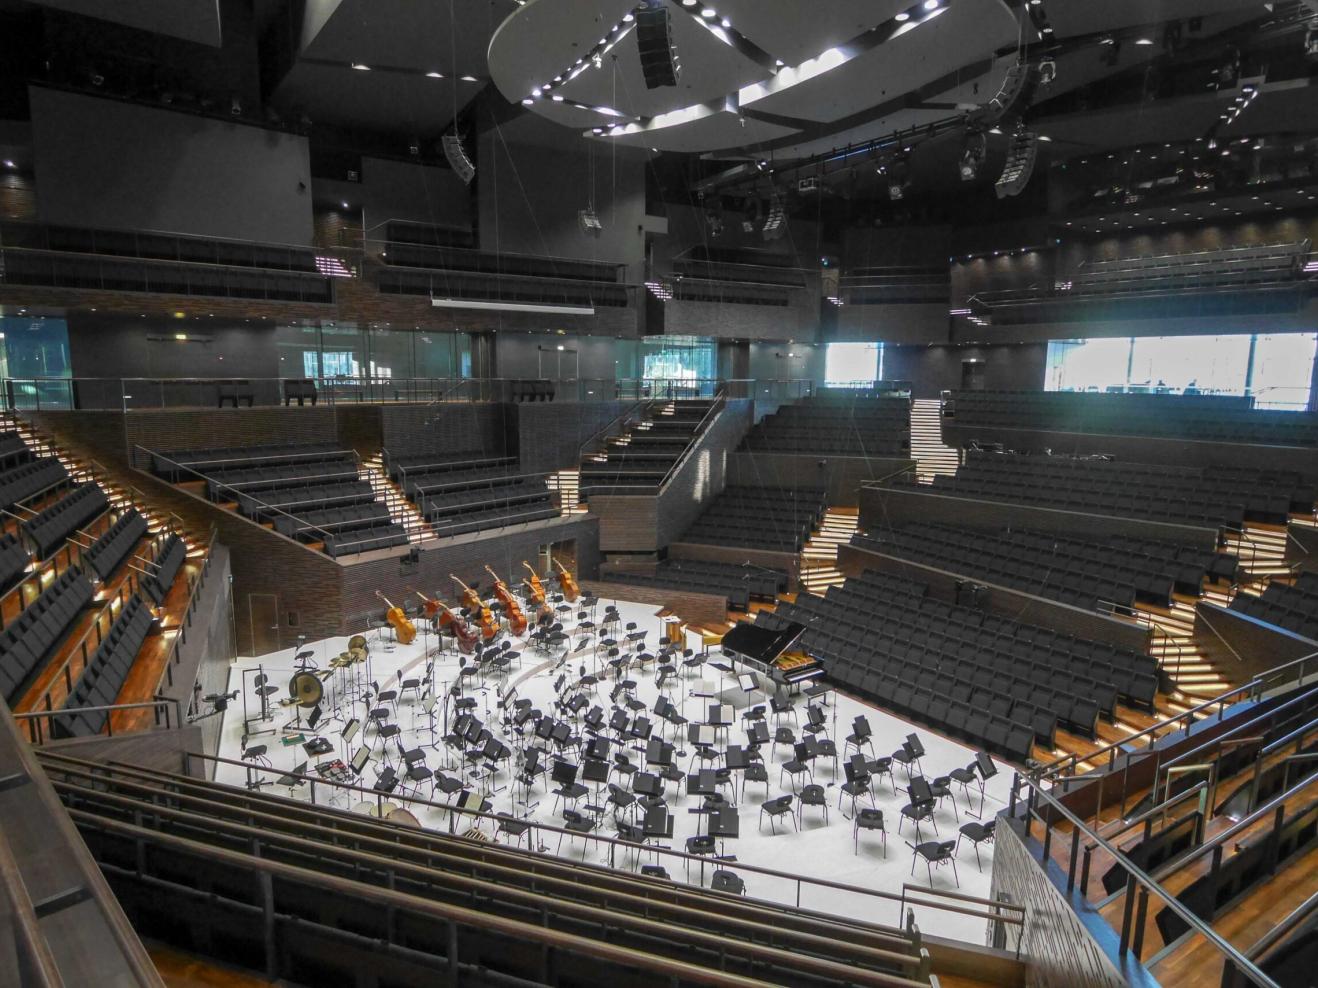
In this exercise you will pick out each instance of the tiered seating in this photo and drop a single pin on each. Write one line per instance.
(309, 491)
(1074, 571)
(108, 552)
(834, 425)
(54, 524)
(106, 671)
(737, 583)
(167, 563)
(1213, 418)
(759, 518)
(1208, 496)
(21, 482)
(513, 902)
(975, 674)
(13, 561)
(478, 503)
(31, 638)
(1227, 268)
(643, 462)
(418, 483)
(13, 450)
(1294, 608)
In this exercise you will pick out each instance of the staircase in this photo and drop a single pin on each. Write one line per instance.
(1173, 645)
(927, 447)
(401, 510)
(567, 485)
(1262, 554)
(819, 556)
(638, 461)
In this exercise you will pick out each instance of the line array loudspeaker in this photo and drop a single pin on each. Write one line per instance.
(1022, 153)
(654, 42)
(457, 157)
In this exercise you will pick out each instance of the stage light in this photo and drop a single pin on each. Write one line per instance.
(434, 75)
(589, 222)
(360, 67)
(9, 164)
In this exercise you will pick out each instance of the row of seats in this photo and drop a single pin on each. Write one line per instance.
(382, 535)
(1213, 418)
(737, 583)
(1294, 608)
(54, 524)
(417, 484)
(759, 518)
(106, 671)
(852, 426)
(400, 465)
(1072, 571)
(20, 482)
(13, 450)
(1095, 485)
(30, 639)
(226, 484)
(302, 497)
(14, 561)
(204, 462)
(105, 555)
(313, 526)
(166, 566)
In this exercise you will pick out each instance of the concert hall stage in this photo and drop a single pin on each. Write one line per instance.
(549, 672)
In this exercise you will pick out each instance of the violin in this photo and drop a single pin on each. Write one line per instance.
(444, 618)
(513, 610)
(566, 584)
(403, 628)
(484, 617)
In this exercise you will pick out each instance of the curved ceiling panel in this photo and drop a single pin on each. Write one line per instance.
(705, 130)
(794, 32)
(546, 37)
(1072, 17)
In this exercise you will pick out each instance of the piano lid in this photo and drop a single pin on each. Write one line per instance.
(763, 644)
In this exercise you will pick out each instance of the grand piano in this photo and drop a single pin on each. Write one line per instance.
(773, 652)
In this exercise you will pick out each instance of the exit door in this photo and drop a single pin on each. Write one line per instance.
(263, 613)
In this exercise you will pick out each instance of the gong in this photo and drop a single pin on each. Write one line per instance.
(305, 689)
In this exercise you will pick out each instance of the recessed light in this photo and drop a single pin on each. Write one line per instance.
(8, 163)
(708, 12)
(468, 78)
(627, 18)
(434, 75)
(931, 4)
(903, 16)
(557, 98)
(360, 67)
(1143, 41)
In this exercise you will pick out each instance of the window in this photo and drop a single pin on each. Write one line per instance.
(853, 365)
(1274, 369)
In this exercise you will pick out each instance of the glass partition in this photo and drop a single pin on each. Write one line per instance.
(853, 365)
(36, 350)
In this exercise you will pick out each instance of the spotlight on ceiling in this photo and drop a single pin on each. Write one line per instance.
(972, 156)
(654, 44)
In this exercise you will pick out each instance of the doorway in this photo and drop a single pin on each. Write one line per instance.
(263, 615)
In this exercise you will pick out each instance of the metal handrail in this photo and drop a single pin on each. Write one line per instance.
(34, 963)
(620, 420)
(719, 403)
(1293, 919)
(1136, 877)
(185, 621)
(37, 736)
(611, 842)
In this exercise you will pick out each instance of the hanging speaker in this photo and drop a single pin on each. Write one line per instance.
(457, 157)
(654, 41)
(1022, 153)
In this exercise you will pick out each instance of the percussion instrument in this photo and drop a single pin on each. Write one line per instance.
(402, 817)
(356, 642)
(305, 689)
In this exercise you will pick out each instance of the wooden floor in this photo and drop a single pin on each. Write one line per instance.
(180, 970)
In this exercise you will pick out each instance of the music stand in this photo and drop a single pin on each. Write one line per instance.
(314, 717)
(986, 771)
(292, 779)
(359, 760)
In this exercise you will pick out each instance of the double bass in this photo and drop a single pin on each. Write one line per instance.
(566, 584)
(403, 628)
(513, 610)
(536, 593)
(445, 619)
(483, 616)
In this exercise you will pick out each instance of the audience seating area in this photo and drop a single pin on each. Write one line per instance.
(759, 518)
(514, 905)
(1215, 497)
(1211, 418)
(644, 461)
(835, 425)
(1226, 268)
(1119, 570)
(14, 561)
(55, 523)
(106, 671)
(1294, 608)
(29, 477)
(31, 638)
(108, 552)
(313, 492)
(976, 675)
(165, 567)
(736, 582)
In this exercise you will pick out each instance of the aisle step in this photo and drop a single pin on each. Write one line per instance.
(927, 447)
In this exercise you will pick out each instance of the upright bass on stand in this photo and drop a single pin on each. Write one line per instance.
(482, 615)
(445, 619)
(512, 609)
(566, 583)
(536, 593)
(403, 628)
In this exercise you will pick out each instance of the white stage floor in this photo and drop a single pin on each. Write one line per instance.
(817, 851)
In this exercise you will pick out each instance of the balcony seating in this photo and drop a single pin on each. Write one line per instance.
(20, 482)
(490, 502)
(382, 535)
(167, 563)
(1228, 268)
(299, 497)
(401, 466)
(108, 552)
(234, 392)
(1209, 418)
(54, 524)
(737, 583)
(14, 561)
(194, 464)
(106, 671)
(1294, 608)
(957, 667)
(13, 451)
(314, 525)
(835, 425)
(301, 391)
(759, 518)
(1072, 571)
(32, 637)
(1214, 497)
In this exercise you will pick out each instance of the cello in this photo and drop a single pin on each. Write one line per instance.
(483, 616)
(566, 584)
(403, 628)
(513, 610)
(444, 618)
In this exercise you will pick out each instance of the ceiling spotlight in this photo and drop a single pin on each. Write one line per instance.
(1143, 41)
(931, 4)
(708, 12)
(344, 205)
(689, 3)
(902, 17)
(468, 78)
(976, 149)
(589, 222)
(434, 75)
(9, 163)
(360, 67)
(528, 102)
(627, 18)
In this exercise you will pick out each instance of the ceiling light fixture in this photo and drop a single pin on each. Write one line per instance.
(360, 67)
(434, 75)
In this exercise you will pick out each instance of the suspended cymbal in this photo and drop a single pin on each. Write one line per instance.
(357, 654)
(356, 641)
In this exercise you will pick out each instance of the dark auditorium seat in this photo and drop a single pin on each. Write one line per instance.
(300, 390)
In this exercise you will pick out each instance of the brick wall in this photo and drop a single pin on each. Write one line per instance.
(448, 427)
(701, 477)
(204, 428)
(1060, 950)
(550, 434)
